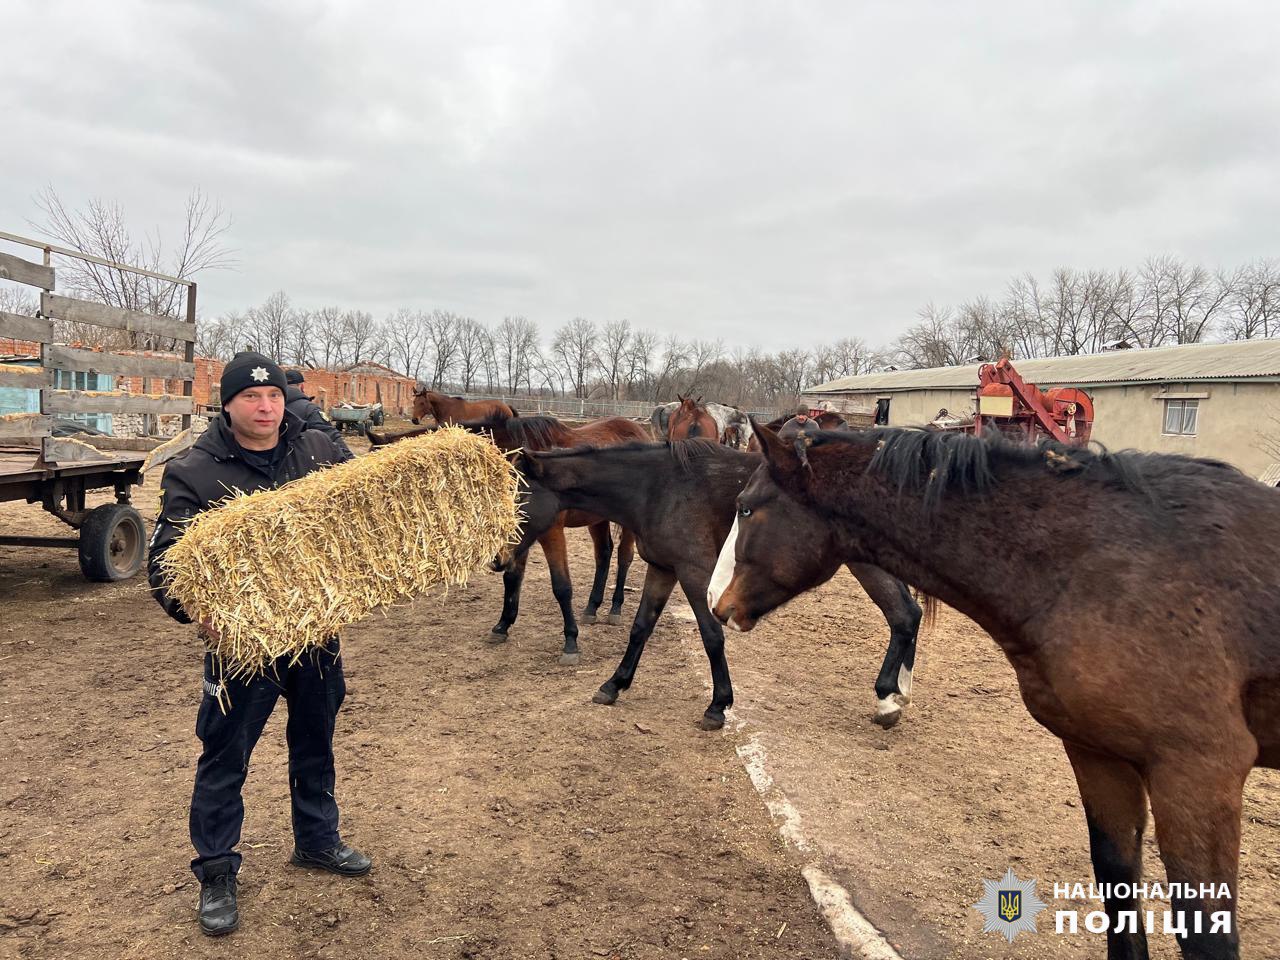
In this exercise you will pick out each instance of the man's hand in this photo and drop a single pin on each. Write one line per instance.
(208, 632)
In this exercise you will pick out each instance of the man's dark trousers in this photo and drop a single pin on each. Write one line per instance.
(314, 690)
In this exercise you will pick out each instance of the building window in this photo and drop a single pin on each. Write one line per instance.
(1180, 417)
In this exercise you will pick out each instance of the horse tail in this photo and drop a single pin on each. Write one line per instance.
(928, 608)
(514, 411)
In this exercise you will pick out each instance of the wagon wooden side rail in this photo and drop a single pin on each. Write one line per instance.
(56, 473)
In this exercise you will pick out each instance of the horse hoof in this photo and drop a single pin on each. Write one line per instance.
(711, 722)
(615, 619)
(588, 618)
(570, 659)
(496, 636)
(607, 697)
(888, 719)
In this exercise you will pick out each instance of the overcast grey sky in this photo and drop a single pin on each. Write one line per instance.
(751, 171)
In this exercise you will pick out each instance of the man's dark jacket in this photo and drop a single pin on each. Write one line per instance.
(207, 473)
(300, 405)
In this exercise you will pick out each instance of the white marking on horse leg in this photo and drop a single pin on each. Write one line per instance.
(887, 705)
(904, 684)
(723, 572)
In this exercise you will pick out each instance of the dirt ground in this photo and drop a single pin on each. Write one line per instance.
(510, 817)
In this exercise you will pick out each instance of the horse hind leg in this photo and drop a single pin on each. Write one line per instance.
(1115, 809)
(602, 541)
(902, 614)
(626, 553)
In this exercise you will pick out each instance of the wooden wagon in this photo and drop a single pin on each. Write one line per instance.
(57, 473)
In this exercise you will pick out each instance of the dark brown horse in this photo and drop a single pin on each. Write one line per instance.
(545, 433)
(679, 498)
(690, 420)
(1136, 596)
(445, 409)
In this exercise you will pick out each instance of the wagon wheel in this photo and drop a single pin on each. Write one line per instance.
(112, 541)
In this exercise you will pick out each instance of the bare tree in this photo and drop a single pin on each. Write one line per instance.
(271, 324)
(101, 230)
(221, 337)
(442, 332)
(574, 349)
(675, 355)
(701, 355)
(302, 337)
(18, 300)
(406, 336)
(614, 355)
(1254, 306)
(362, 336)
(516, 346)
(473, 347)
(640, 354)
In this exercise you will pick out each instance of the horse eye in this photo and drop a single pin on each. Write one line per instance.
(744, 511)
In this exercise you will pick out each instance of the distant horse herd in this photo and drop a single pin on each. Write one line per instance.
(1137, 596)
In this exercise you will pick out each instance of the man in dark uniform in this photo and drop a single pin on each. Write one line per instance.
(300, 405)
(256, 444)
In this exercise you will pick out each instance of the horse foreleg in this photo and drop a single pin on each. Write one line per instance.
(658, 584)
(695, 591)
(602, 541)
(1196, 801)
(626, 553)
(557, 554)
(902, 613)
(512, 580)
(1115, 809)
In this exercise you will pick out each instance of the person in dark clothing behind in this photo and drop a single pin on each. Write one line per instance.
(256, 444)
(300, 405)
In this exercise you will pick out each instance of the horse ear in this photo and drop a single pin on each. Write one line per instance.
(780, 456)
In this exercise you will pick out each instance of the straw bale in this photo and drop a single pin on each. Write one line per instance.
(280, 571)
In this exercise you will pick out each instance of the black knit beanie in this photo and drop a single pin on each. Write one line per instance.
(295, 377)
(249, 369)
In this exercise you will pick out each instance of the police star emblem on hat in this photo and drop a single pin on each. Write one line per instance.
(259, 374)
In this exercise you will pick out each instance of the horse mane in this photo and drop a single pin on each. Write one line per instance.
(942, 462)
(537, 432)
(683, 452)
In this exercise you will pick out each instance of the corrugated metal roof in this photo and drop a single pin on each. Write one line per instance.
(1199, 361)
(1271, 475)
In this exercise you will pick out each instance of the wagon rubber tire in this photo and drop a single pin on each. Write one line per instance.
(377, 418)
(113, 541)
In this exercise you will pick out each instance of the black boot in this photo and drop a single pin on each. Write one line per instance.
(342, 860)
(218, 911)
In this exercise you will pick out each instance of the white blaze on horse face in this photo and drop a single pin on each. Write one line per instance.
(723, 572)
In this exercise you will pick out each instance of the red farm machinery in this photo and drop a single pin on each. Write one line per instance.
(1021, 410)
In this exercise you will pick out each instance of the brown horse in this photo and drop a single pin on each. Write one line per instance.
(545, 433)
(445, 409)
(690, 420)
(1136, 596)
(680, 497)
